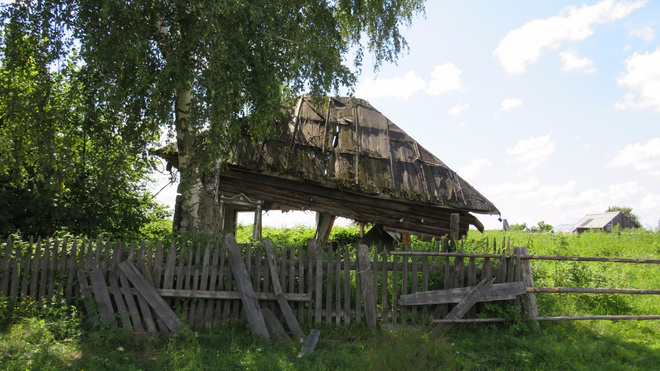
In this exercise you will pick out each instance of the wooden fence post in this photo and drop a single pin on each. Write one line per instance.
(529, 299)
(367, 288)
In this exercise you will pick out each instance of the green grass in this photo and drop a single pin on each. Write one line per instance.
(50, 336)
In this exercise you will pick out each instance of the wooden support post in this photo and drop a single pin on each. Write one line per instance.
(364, 268)
(324, 223)
(250, 303)
(454, 226)
(529, 300)
(290, 318)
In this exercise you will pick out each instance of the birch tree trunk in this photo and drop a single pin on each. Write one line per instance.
(199, 210)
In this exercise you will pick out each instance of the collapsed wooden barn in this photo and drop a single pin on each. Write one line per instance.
(341, 157)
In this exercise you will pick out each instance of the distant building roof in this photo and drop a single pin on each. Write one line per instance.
(565, 228)
(596, 221)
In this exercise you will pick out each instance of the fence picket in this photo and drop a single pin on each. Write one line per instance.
(34, 277)
(383, 289)
(347, 286)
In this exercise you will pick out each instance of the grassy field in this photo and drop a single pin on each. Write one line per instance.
(43, 336)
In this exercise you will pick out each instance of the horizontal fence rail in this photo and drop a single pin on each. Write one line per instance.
(531, 257)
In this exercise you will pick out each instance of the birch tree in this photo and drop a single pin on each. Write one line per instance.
(203, 68)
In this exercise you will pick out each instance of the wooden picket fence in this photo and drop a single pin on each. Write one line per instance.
(196, 281)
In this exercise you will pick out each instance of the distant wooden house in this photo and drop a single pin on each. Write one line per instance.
(603, 221)
(340, 156)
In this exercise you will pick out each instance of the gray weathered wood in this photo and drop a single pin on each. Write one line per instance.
(466, 303)
(309, 344)
(70, 268)
(529, 300)
(290, 318)
(274, 326)
(318, 310)
(338, 313)
(555, 319)
(499, 291)
(385, 317)
(250, 303)
(125, 288)
(147, 291)
(328, 280)
(103, 302)
(123, 312)
(367, 288)
(395, 286)
(34, 292)
(25, 273)
(6, 267)
(347, 287)
(213, 279)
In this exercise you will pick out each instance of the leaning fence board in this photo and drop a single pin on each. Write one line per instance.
(252, 309)
(498, 291)
(130, 302)
(367, 288)
(103, 302)
(290, 318)
(124, 315)
(151, 296)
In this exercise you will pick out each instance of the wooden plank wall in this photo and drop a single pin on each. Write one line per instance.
(197, 283)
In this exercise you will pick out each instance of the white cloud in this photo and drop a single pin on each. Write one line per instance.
(472, 170)
(523, 46)
(457, 109)
(571, 62)
(645, 33)
(509, 104)
(531, 152)
(567, 203)
(642, 78)
(445, 78)
(400, 88)
(642, 157)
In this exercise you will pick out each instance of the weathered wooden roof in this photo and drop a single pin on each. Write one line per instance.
(345, 145)
(349, 142)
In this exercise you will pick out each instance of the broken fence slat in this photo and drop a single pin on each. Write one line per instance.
(130, 302)
(499, 291)
(150, 295)
(464, 305)
(309, 344)
(290, 318)
(250, 303)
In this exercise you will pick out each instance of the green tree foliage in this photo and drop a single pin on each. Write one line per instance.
(627, 211)
(69, 160)
(203, 67)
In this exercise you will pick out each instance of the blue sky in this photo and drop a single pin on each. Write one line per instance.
(551, 109)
